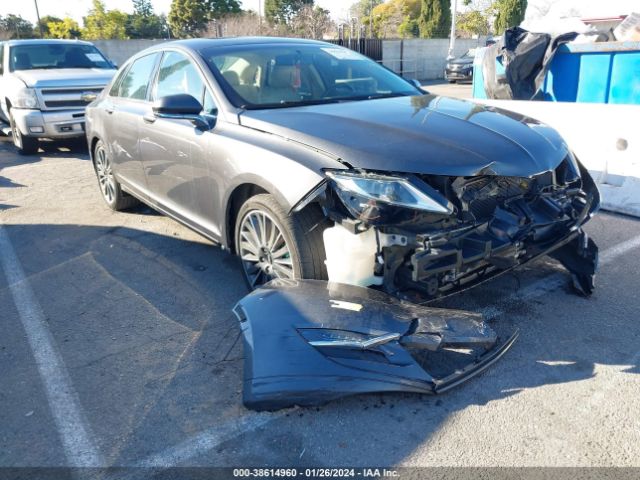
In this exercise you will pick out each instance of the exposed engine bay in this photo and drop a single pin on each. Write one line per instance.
(421, 237)
(413, 239)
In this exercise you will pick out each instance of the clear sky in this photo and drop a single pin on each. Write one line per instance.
(78, 8)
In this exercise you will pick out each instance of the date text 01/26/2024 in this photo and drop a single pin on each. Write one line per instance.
(315, 472)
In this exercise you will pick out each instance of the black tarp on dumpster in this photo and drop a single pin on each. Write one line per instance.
(526, 57)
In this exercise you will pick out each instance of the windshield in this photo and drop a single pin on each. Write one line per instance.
(272, 76)
(60, 55)
(470, 53)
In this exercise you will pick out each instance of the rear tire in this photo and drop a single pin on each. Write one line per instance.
(24, 145)
(111, 190)
(273, 244)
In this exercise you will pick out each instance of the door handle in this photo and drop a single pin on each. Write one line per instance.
(149, 118)
(108, 109)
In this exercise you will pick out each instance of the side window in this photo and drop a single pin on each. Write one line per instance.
(178, 74)
(135, 82)
(116, 83)
(1, 58)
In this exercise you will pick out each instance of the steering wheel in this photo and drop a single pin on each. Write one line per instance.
(338, 90)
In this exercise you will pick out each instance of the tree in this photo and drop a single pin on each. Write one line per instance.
(435, 18)
(44, 21)
(311, 22)
(363, 10)
(144, 8)
(282, 11)
(473, 22)
(188, 18)
(65, 28)
(144, 23)
(14, 26)
(246, 23)
(508, 13)
(396, 18)
(218, 8)
(101, 23)
(410, 25)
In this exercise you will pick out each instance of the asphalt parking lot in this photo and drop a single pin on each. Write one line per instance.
(118, 348)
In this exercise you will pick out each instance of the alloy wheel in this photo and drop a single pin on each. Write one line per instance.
(263, 249)
(105, 175)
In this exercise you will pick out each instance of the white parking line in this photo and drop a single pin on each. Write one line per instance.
(211, 438)
(77, 441)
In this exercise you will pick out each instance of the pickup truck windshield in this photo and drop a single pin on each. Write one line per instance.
(43, 55)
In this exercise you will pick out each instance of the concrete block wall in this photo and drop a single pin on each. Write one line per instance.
(119, 51)
(423, 59)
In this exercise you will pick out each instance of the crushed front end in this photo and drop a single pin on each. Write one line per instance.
(426, 236)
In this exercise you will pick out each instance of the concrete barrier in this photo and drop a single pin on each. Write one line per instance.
(605, 138)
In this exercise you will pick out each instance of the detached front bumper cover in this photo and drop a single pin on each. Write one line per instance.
(307, 342)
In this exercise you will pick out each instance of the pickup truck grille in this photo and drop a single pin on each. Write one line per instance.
(61, 98)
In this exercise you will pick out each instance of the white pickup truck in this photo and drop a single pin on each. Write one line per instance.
(45, 86)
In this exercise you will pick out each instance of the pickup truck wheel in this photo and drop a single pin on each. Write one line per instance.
(25, 145)
(111, 191)
(273, 244)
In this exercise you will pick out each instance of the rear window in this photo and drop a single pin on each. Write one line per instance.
(50, 56)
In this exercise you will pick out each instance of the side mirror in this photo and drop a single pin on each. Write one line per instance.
(418, 85)
(181, 107)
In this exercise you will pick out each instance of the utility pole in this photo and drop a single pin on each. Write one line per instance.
(38, 15)
(371, 20)
(452, 39)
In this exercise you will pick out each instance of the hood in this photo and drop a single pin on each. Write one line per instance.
(65, 77)
(424, 134)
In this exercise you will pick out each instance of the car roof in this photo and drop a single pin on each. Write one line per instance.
(40, 41)
(198, 44)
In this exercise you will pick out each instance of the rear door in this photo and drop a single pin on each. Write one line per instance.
(174, 151)
(127, 103)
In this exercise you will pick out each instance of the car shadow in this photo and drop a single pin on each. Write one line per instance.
(64, 147)
(9, 156)
(145, 328)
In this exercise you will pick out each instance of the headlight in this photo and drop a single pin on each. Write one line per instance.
(26, 98)
(373, 197)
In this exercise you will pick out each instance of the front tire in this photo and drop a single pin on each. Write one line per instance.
(24, 145)
(112, 193)
(273, 244)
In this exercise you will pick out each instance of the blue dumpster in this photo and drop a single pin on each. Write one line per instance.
(604, 72)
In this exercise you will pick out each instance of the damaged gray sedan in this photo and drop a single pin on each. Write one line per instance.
(310, 161)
